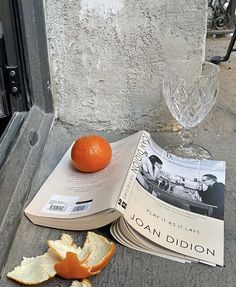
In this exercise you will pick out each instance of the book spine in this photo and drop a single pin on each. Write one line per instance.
(132, 173)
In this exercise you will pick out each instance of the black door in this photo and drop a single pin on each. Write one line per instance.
(14, 96)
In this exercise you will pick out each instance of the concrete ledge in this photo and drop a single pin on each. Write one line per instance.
(23, 156)
(128, 267)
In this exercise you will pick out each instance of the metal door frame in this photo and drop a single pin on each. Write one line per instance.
(16, 87)
(26, 48)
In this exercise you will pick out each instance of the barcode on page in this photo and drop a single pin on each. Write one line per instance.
(60, 204)
(54, 207)
(80, 208)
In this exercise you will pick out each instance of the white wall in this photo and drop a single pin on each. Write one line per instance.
(107, 56)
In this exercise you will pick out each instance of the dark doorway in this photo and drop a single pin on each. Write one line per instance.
(14, 96)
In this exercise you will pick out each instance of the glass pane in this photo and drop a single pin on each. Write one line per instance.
(1, 30)
(3, 100)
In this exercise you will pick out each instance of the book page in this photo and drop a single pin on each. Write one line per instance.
(179, 204)
(68, 193)
(128, 236)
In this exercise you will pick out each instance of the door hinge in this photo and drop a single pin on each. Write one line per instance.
(12, 80)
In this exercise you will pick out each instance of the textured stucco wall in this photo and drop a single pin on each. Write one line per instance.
(106, 58)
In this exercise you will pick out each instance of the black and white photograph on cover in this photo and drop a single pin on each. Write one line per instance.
(193, 185)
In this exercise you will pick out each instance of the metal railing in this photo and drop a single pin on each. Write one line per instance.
(221, 16)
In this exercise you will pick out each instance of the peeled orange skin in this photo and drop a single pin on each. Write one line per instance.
(105, 260)
(72, 268)
(91, 153)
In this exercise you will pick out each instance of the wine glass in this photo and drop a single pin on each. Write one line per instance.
(190, 90)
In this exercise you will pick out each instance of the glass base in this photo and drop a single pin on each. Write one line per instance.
(193, 151)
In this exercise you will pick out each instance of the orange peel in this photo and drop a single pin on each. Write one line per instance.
(73, 268)
(102, 251)
(29, 272)
(67, 260)
(84, 283)
(62, 246)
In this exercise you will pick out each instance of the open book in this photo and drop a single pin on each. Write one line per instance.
(157, 203)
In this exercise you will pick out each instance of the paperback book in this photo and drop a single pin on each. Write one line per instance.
(155, 202)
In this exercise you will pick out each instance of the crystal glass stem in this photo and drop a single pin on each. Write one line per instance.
(187, 137)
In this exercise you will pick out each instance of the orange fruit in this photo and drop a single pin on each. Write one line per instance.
(91, 153)
(73, 268)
